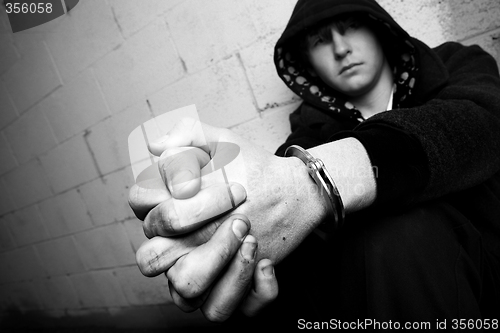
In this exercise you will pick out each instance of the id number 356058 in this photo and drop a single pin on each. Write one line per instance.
(25, 8)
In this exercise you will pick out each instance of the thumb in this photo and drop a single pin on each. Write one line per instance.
(265, 289)
(188, 132)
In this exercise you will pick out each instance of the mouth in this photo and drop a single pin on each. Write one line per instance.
(348, 67)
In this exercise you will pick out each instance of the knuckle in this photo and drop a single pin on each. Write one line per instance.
(224, 253)
(138, 201)
(133, 194)
(134, 198)
(149, 232)
(169, 217)
(147, 260)
(150, 261)
(185, 285)
(162, 220)
(206, 233)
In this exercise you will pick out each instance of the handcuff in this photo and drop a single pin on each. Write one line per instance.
(325, 183)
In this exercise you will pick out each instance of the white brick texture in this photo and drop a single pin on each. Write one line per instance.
(9, 54)
(8, 161)
(216, 30)
(269, 17)
(147, 62)
(82, 37)
(9, 112)
(26, 226)
(76, 106)
(259, 65)
(226, 80)
(132, 16)
(27, 184)
(65, 214)
(135, 232)
(270, 130)
(30, 135)
(468, 18)
(109, 139)
(69, 164)
(105, 247)
(490, 42)
(32, 77)
(59, 256)
(106, 198)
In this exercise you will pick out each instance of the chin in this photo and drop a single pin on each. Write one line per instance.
(355, 92)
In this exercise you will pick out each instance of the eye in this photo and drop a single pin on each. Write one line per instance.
(315, 40)
(353, 25)
(318, 41)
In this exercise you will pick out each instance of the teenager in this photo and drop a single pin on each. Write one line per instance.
(411, 138)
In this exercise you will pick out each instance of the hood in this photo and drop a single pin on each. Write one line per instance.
(311, 89)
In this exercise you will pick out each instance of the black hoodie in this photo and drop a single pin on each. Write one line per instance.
(443, 134)
(440, 144)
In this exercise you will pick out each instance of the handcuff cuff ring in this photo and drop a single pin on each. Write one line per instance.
(317, 170)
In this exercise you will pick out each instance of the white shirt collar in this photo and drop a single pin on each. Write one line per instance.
(389, 105)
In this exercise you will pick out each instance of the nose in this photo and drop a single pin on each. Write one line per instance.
(340, 45)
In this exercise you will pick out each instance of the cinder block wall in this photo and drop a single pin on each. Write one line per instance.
(72, 90)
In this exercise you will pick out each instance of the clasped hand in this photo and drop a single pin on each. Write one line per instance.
(198, 221)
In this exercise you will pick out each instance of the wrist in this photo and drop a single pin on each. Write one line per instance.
(349, 165)
(313, 208)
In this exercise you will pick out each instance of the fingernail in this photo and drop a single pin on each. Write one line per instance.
(248, 249)
(268, 270)
(240, 228)
(239, 194)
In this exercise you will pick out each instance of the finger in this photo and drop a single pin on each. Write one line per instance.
(145, 195)
(187, 132)
(175, 217)
(265, 289)
(193, 273)
(180, 169)
(158, 254)
(231, 288)
(187, 304)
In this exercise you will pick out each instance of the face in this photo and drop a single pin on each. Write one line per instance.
(351, 63)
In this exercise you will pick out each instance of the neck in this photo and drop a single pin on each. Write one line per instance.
(378, 97)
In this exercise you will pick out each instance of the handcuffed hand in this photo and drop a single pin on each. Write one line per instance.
(275, 193)
(281, 217)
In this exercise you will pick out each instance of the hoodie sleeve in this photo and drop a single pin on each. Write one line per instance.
(444, 145)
